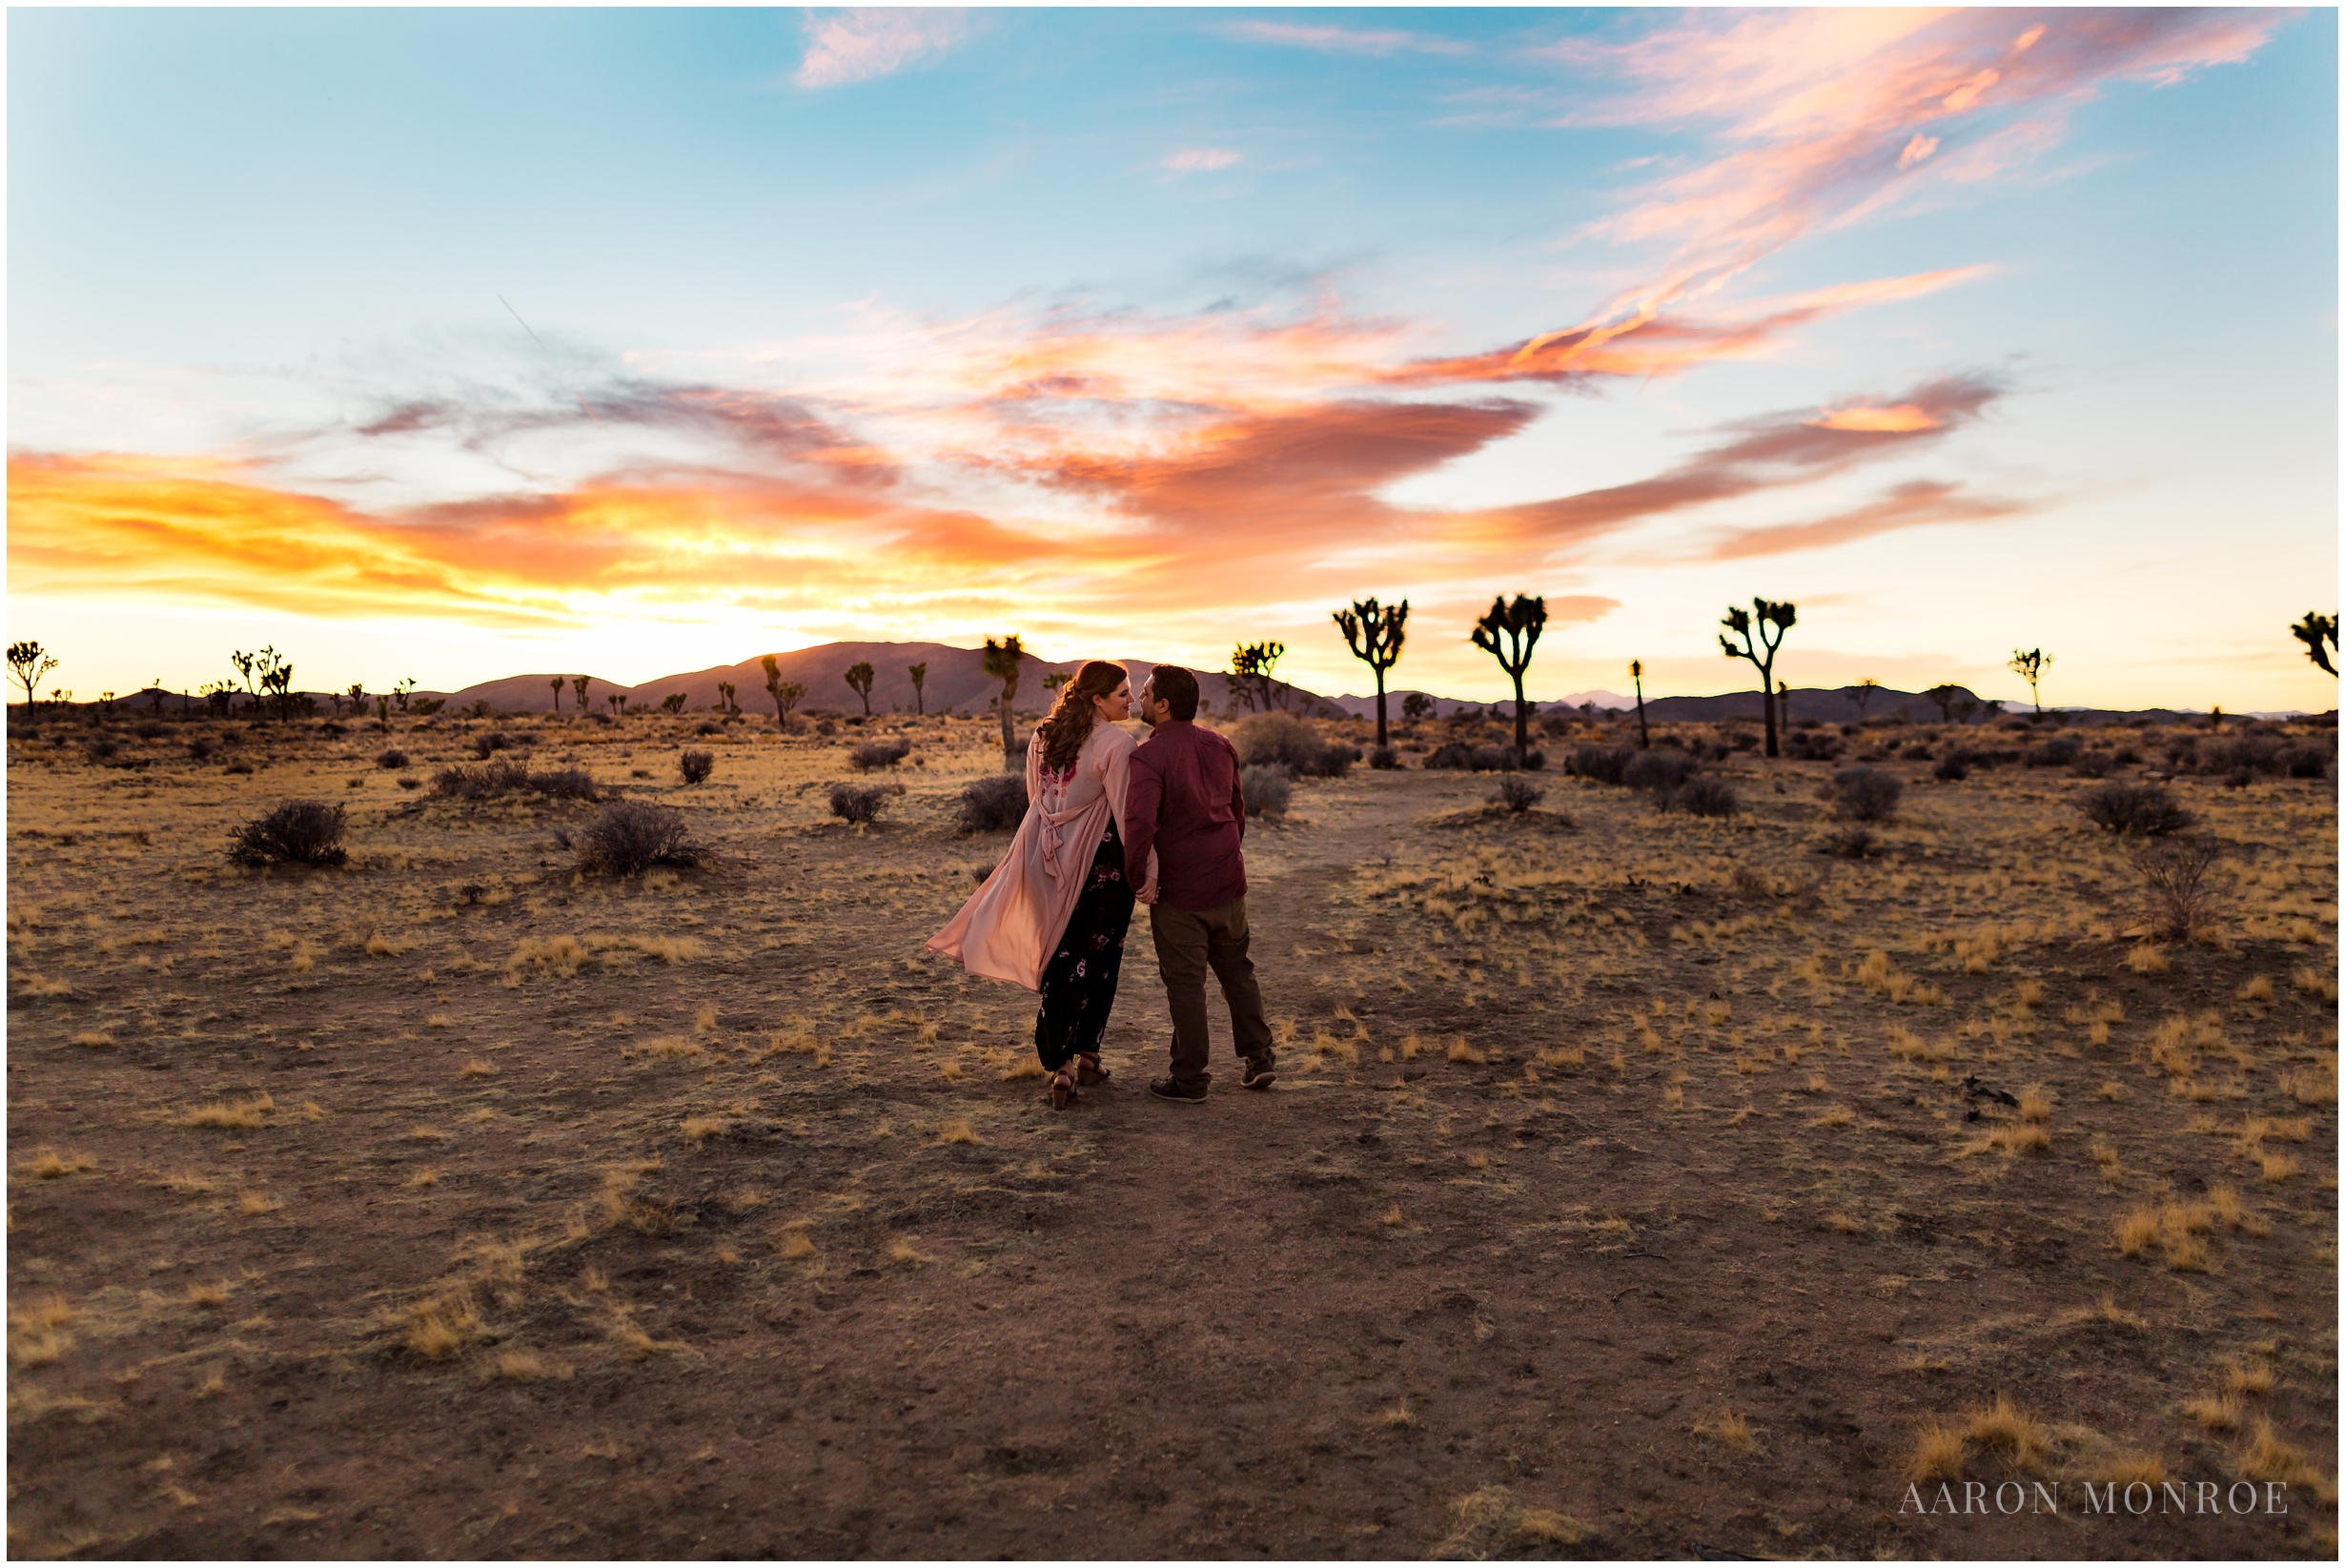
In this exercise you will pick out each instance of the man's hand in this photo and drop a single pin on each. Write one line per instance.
(1147, 893)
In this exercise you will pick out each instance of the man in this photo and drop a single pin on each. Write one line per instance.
(1183, 803)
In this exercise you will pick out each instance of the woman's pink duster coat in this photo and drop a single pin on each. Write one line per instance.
(1009, 926)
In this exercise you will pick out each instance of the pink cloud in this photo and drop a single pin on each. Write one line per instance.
(1344, 40)
(858, 45)
(1192, 159)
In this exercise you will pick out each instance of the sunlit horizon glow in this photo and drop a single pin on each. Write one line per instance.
(933, 333)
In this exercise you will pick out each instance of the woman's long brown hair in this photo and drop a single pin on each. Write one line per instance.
(1072, 718)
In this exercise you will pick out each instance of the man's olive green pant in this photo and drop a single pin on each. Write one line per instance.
(1189, 942)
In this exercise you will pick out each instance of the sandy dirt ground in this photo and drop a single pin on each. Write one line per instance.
(1623, 1193)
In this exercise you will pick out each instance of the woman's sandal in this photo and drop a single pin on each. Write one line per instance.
(1062, 1091)
(1089, 1071)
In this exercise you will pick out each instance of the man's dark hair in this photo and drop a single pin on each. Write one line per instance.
(1178, 689)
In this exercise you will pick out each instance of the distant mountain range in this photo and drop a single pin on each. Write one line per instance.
(954, 680)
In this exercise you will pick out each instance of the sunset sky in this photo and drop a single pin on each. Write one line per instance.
(455, 344)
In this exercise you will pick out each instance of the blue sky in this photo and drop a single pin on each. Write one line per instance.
(1138, 331)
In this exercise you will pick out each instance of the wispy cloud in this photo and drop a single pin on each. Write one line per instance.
(1380, 41)
(1913, 504)
(858, 45)
(1193, 159)
(1823, 116)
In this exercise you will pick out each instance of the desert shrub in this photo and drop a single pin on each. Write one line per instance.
(1605, 764)
(2306, 762)
(2127, 757)
(1658, 770)
(1917, 752)
(200, 749)
(293, 833)
(994, 804)
(1516, 795)
(696, 766)
(101, 747)
(238, 765)
(408, 780)
(1483, 759)
(2093, 764)
(2145, 809)
(861, 803)
(1700, 797)
(490, 779)
(2059, 751)
(1852, 842)
(828, 727)
(488, 742)
(2176, 898)
(1268, 788)
(148, 729)
(874, 754)
(1743, 739)
(1865, 794)
(1812, 746)
(395, 758)
(628, 837)
(1283, 739)
(1384, 759)
(1953, 767)
(708, 726)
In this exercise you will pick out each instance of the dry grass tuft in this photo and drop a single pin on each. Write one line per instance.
(1460, 1051)
(1492, 1522)
(673, 1047)
(795, 1244)
(2003, 1428)
(2268, 1459)
(2256, 1377)
(1847, 1225)
(902, 1252)
(48, 1165)
(957, 1133)
(2220, 1411)
(2035, 1104)
(1938, 1452)
(2256, 989)
(698, 1128)
(258, 1203)
(94, 1039)
(476, 1067)
(1399, 1414)
(1729, 1427)
(231, 1114)
(2146, 959)
(521, 1367)
(2131, 1468)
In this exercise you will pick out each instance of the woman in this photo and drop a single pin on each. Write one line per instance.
(1052, 915)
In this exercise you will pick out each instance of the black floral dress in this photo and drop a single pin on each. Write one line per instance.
(1079, 983)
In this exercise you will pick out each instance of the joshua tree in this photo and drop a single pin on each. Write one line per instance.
(1251, 671)
(1001, 661)
(784, 693)
(1635, 673)
(2030, 665)
(382, 714)
(1865, 689)
(560, 682)
(29, 664)
(1756, 641)
(401, 690)
(275, 672)
(2318, 632)
(672, 702)
(724, 692)
(1508, 634)
(859, 675)
(920, 696)
(1944, 695)
(244, 663)
(578, 685)
(1415, 705)
(1376, 635)
(156, 686)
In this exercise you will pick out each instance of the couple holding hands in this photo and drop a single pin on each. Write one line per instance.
(1110, 822)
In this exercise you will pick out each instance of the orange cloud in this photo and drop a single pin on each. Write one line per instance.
(1899, 417)
(1909, 505)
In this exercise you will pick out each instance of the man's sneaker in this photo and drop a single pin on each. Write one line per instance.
(1256, 1074)
(1165, 1088)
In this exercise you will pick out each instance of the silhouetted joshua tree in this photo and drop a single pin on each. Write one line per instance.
(1507, 634)
(1001, 661)
(1376, 635)
(919, 681)
(29, 664)
(560, 682)
(1756, 642)
(1417, 705)
(784, 693)
(2318, 632)
(2030, 665)
(859, 675)
(578, 684)
(1635, 674)
(1865, 689)
(1252, 677)
(724, 692)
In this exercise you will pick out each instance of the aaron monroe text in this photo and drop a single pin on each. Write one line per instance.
(2137, 1497)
